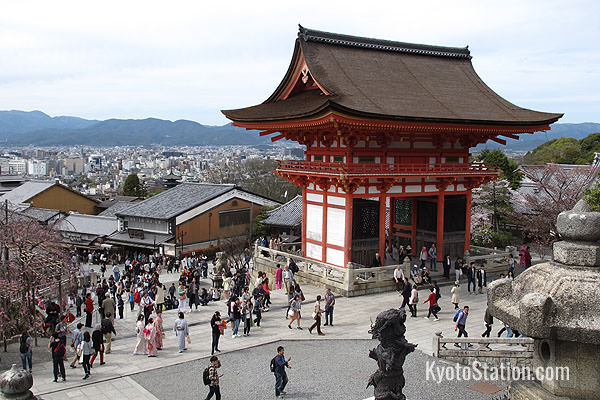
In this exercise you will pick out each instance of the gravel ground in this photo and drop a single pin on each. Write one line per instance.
(334, 369)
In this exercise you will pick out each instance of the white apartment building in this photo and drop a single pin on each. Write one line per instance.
(37, 168)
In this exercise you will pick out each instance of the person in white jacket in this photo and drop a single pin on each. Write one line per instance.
(455, 294)
(414, 300)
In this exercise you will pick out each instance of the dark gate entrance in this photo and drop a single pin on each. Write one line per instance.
(365, 231)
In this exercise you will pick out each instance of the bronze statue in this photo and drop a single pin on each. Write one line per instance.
(389, 328)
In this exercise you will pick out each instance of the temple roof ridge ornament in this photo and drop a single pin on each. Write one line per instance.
(381, 44)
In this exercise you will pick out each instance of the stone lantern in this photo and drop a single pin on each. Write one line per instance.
(556, 303)
(15, 384)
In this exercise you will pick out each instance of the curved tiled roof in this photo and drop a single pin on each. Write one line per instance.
(288, 214)
(380, 79)
(175, 201)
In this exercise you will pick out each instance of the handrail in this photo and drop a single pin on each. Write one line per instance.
(384, 168)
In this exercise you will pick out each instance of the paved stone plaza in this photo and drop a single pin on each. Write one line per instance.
(321, 369)
(122, 374)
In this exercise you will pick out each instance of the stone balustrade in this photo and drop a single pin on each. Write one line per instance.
(355, 280)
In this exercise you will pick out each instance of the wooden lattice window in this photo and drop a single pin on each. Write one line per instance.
(403, 212)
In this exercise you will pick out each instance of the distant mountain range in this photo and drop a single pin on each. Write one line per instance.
(528, 142)
(20, 128)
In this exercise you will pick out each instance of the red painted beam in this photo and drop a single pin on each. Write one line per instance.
(501, 141)
(276, 138)
(265, 133)
(510, 135)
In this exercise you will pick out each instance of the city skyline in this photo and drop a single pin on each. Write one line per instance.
(188, 61)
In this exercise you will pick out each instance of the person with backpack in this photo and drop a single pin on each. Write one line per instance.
(58, 350)
(211, 378)
(461, 321)
(76, 339)
(25, 350)
(278, 366)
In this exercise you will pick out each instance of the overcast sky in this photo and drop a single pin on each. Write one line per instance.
(189, 59)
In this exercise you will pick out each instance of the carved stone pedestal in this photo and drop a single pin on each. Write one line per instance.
(15, 384)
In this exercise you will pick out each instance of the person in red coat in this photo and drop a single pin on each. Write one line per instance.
(433, 307)
(89, 309)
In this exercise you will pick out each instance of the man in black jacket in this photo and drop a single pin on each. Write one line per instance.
(108, 330)
(447, 266)
(471, 274)
(215, 323)
(406, 291)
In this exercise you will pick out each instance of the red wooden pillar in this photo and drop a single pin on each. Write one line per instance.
(348, 236)
(324, 229)
(440, 227)
(304, 221)
(391, 219)
(382, 229)
(468, 222)
(413, 239)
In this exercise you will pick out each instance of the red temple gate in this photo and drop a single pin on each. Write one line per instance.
(387, 128)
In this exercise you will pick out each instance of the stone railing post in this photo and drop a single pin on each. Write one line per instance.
(348, 277)
(436, 343)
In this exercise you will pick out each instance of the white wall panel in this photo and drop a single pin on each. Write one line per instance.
(317, 198)
(314, 222)
(314, 251)
(335, 257)
(336, 226)
(338, 201)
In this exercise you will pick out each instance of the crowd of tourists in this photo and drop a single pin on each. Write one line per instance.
(133, 291)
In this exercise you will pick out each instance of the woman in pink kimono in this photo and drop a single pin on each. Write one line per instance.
(158, 326)
(150, 331)
(278, 275)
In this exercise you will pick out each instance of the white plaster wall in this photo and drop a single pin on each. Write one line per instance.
(338, 201)
(314, 251)
(318, 198)
(335, 257)
(314, 222)
(336, 226)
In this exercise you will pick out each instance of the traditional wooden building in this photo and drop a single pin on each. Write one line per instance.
(189, 217)
(386, 125)
(51, 195)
